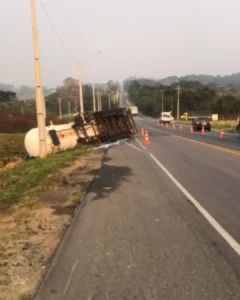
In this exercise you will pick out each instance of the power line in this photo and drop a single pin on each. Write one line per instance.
(55, 30)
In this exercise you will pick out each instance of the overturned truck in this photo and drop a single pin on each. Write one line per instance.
(104, 126)
(91, 128)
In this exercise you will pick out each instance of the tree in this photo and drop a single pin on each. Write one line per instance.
(7, 96)
(194, 96)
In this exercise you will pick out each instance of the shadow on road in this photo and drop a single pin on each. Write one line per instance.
(109, 179)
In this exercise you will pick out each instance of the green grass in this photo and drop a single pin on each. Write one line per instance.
(15, 183)
(227, 126)
(67, 118)
(11, 145)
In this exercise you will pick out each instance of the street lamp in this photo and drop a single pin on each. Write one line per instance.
(80, 79)
(178, 100)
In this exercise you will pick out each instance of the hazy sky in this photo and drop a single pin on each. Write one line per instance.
(150, 38)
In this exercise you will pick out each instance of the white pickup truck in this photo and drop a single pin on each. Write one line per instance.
(166, 118)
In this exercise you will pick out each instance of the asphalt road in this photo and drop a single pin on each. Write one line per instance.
(231, 140)
(139, 236)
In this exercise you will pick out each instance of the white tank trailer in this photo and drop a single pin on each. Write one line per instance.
(100, 127)
(59, 138)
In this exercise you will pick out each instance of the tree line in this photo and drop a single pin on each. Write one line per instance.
(69, 94)
(194, 96)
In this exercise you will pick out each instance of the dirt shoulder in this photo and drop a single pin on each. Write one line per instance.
(31, 230)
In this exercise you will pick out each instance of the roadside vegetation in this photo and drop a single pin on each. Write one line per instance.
(11, 145)
(227, 126)
(194, 96)
(37, 203)
(17, 181)
(20, 116)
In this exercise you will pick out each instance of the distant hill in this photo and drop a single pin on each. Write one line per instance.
(24, 92)
(226, 80)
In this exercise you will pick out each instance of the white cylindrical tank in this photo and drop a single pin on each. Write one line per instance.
(66, 135)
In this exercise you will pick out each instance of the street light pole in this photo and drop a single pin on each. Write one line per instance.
(100, 100)
(40, 103)
(94, 99)
(60, 107)
(69, 107)
(178, 96)
(80, 89)
(162, 91)
(80, 81)
(109, 101)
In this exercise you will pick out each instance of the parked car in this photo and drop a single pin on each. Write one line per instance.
(200, 122)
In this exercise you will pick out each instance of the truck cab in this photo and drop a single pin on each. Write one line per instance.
(134, 110)
(184, 117)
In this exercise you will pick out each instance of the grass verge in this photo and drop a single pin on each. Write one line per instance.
(228, 126)
(31, 229)
(15, 182)
(11, 145)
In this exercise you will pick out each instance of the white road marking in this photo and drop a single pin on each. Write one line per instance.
(133, 146)
(70, 276)
(141, 145)
(224, 234)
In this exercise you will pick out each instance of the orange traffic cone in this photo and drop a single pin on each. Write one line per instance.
(191, 129)
(167, 125)
(142, 132)
(180, 128)
(173, 127)
(203, 131)
(146, 139)
(222, 134)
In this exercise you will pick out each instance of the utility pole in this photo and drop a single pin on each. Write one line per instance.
(162, 91)
(109, 101)
(22, 109)
(60, 107)
(40, 104)
(76, 106)
(94, 99)
(97, 101)
(44, 107)
(80, 89)
(69, 107)
(100, 100)
(178, 94)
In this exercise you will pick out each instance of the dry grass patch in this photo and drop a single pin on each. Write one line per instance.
(32, 225)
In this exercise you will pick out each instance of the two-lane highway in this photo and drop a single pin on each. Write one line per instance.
(159, 222)
(230, 141)
(208, 167)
